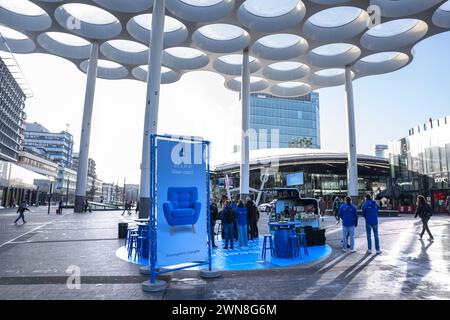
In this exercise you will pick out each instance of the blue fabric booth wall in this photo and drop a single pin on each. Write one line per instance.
(182, 207)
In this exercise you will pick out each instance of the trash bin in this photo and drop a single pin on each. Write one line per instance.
(123, 228)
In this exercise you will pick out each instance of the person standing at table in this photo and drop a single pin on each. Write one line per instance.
(252, 218)
(425, 212)
(228, 219)
(349, 216)
(242, 224)
(370, 214)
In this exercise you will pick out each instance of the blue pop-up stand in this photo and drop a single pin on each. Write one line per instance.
(180, 224)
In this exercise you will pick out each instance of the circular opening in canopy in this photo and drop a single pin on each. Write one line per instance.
(392, 28)
(270, 8)
(201, 3)
(89, 14)
(221, 32)
(286, 66)
(170, 24)
(184, 52)
(280, 40)
(235, 59)
(335, 17)
(380, 57)
(125, 5)
(333, 72)
(127, 46)
(68, 39)
(332, 49)
(9, 33)
(23, 7)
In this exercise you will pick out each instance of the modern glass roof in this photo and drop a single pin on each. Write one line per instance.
(288, 40)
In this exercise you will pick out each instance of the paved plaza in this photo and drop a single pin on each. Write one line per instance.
(37, 259)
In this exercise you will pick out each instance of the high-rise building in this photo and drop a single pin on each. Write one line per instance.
(12, 116)
(380, 150)
(58, 147)
(92, 171)
(277, 122)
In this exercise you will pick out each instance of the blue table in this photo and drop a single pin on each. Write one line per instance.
(283, 247)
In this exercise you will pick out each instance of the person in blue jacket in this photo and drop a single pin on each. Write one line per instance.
(349, 216)
(370, 213)
(228, 219)
(242, 224)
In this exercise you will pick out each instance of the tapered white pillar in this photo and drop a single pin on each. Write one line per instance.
(80, 192)
(152, 101)
(352, 167)
(245, 145)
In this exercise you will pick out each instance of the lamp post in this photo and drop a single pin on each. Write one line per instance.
(67, 191)
(123, 197)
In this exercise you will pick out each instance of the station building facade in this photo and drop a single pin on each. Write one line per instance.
(323, 174)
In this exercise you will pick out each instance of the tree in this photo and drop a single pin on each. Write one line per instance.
(300, 142)
(91, 193)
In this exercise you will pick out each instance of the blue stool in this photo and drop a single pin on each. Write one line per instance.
(132, 244)
(129, 231)
(267, 245)
(295, 246)
(303, 243)
(140, 246)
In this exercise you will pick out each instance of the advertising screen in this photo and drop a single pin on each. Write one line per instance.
(294, 179)
(181, 217)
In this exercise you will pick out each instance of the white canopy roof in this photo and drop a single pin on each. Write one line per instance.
(295, 46)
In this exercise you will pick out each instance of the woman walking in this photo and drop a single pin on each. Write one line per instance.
(424, 212)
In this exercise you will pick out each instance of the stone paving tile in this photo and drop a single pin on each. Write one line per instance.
(34, 265)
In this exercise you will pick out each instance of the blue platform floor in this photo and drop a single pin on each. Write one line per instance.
(246, 258)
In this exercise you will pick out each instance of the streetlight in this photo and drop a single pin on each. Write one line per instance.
(123, 197)
(67, 191)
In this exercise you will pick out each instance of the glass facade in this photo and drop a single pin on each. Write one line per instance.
(420, 162)
(12, 103)
(58, 147)
(277, 122)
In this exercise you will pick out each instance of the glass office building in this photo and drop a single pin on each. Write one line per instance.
(277, 122)
(420, 163)
(12, 103)
(56, 146)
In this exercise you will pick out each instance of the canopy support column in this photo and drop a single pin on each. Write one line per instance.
(152, 101)
(352, 166)
(245, 146)
(80, 192)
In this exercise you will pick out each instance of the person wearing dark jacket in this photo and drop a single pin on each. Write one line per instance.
(252, 218)
(336, 205)
(228, 218)
(349, 216)
(214, 213)
(242, 224)
(370, 214)
(424, 212)
(22, 208)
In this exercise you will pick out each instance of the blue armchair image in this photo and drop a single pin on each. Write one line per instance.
(182, 207)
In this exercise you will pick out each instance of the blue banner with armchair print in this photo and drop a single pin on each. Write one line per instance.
(181, 176)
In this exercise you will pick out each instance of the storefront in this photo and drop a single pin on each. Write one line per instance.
(18, 184)
(324, 174)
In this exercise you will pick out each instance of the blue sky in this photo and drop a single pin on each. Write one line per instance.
(386, 107)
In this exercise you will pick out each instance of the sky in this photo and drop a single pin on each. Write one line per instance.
(386, 106)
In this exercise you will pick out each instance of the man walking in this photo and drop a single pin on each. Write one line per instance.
(370, 214)
(349, 216)
(447, 205)
(22, 208)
